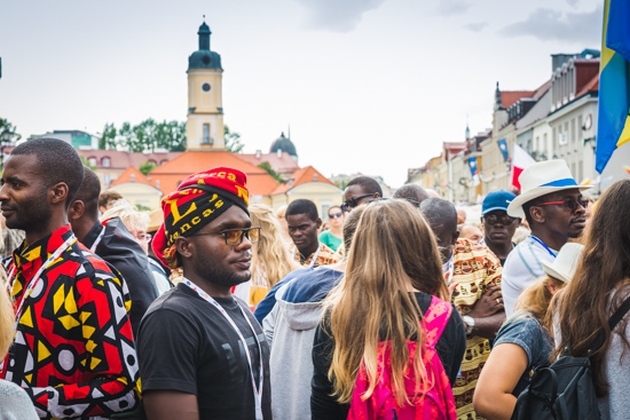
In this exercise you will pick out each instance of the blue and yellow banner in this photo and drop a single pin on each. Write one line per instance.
(614, 82)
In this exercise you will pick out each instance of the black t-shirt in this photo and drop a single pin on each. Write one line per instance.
(450, 347)
(185, 344)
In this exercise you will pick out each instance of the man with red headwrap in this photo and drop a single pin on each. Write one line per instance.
(202, 353)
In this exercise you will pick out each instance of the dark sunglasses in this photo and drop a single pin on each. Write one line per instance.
(353, 202)
(234, 237)
(504, 219)
(333, 215)
(569, 203)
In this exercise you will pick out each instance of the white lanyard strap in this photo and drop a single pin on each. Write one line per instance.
(257, 390)
(315, 255)
(35, 279)
(98, 240)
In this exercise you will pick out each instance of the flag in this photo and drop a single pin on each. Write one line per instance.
(503, 148)
(520, 160)
(472, 163)
(613, 128)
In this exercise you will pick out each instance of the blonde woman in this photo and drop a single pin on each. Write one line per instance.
(393, 269)
(524, 342)
(271, 260)
(14, 401)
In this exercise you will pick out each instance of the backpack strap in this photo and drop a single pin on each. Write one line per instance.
(435, 320)
(612, 323)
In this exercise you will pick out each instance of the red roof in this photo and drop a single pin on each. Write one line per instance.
(302, 176)
(510, 97)
(283, 164)
(591, 86)
(130, 175)
(172, 173)
(122, 160)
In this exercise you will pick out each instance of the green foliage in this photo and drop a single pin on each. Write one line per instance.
(140, 207)
(232, 141)
(145, 137)
(6, 125)
(87, 163)
(267, 167)
(146, 167)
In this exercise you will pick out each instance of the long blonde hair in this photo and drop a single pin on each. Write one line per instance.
(536, 300)
(393, 252)
(271, 260)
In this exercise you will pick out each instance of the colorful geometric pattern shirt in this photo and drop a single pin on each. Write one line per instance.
(322, 256)
(74, 352)
(476, 269)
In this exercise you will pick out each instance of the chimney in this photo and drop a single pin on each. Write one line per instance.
(314, 177)
(133, 177)
(258, 153)
(279, 153)
(157, 184)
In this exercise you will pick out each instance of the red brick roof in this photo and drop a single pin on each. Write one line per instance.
(122, 160)
(172, 173)
(131, 174)
(591, 86)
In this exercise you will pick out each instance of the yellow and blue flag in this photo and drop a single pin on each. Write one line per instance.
(613, 128)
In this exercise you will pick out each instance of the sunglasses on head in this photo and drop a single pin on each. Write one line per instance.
(351, 203)
(504, 219)
(569, 203)
(333, 215)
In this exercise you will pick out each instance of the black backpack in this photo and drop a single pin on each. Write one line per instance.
(565, 390)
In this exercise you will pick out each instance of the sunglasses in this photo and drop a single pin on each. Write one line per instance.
(504, 219)
(353, 202)
(234, 237)
(333, 215)
(569, 203)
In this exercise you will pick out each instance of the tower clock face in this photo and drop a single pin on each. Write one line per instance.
(206, 87)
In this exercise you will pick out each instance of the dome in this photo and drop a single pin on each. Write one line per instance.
(283, 144)
(204, 59)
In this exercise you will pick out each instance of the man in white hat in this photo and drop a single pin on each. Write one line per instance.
(552, 202)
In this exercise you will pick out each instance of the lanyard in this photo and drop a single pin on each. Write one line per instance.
(33, 282)
(543, 245)
(257, 390)
(315, 255)
(98, 240)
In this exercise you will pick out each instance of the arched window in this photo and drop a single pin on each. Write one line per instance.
(106, 162)
(92, 161)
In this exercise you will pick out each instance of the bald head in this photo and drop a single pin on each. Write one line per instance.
(411, 192)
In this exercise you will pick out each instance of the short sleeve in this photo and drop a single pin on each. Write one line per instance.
(527, 333)
(167, 349)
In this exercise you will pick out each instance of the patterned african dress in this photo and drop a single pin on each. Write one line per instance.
(74, 351)
(322, 256)
(475, 268)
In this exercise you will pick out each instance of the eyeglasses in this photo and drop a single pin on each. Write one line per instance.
(353, 202)
(504, 219)
(144, 237)
(570, 203)
(234, 237)
(333, 215)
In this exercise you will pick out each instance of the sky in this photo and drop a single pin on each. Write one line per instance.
(369, 86)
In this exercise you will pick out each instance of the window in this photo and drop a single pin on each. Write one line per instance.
(92, 161)
(206, 134)
(106, 162)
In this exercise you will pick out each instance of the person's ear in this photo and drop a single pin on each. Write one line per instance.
(537, 213)
(454, 237)
(58, 193)
(185, 247)
(318, 222)
(76, 210)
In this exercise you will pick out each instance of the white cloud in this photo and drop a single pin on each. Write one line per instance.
(552, 25)
(476, 27)
(338, 15)
(452, 7)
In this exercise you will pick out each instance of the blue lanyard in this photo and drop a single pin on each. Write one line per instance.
(543, 245)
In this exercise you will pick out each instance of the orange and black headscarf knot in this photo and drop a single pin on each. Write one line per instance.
(201, 198)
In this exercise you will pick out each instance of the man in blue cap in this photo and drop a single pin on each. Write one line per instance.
(498, 226)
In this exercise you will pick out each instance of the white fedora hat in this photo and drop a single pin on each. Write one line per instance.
(563, 267)
(540, 179)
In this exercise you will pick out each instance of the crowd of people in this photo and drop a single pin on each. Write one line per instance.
(213, 307)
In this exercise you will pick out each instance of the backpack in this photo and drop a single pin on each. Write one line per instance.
(565, 390)
(438, 402)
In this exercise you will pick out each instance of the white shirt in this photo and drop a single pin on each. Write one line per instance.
(522, 267)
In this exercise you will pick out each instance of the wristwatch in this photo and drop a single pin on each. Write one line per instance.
(469, 322)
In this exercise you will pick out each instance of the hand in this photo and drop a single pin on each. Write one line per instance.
(489, 304)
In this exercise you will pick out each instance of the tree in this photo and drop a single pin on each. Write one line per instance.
(267, 167)
(146, 167)
(6, 125)
(232, 141)
(145, 137)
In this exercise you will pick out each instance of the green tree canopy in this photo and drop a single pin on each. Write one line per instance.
(146, 167)
(6, 125)
(232, 141)
(147, 136)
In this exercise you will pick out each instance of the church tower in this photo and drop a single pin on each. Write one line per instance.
(204, 126)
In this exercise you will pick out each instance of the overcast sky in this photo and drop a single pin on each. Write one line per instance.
(371, 86)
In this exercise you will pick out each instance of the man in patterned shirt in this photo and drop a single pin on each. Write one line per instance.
(304, 223)
(74, 352)
(473, 272)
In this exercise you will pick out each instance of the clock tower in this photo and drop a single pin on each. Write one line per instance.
(204, 126)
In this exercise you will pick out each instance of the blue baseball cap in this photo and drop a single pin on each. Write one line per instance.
(497, 200)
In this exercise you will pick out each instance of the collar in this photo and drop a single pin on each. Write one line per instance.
(28, 258)
(92, 234)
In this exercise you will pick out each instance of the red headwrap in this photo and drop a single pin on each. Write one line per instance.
(201, 198)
